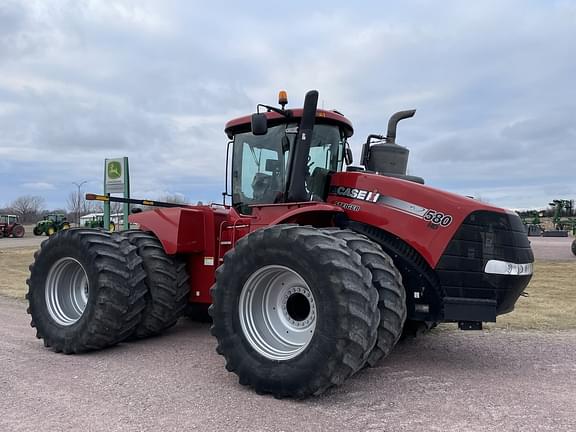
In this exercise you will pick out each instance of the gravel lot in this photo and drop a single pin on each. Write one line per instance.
(445, 381)
(29, 240)
(552, 248)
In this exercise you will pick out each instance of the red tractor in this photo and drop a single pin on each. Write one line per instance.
(311, 273)
(10, 227)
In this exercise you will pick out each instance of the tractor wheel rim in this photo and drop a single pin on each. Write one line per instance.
(277, 312)
(67, 291)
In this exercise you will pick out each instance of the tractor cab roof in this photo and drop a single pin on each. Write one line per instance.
(242, 124)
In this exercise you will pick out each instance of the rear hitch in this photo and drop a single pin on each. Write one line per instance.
(470, 325)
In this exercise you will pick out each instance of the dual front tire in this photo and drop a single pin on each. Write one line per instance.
(296, 309)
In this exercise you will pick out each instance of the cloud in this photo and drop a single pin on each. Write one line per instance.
(156, 81)
(39, 186)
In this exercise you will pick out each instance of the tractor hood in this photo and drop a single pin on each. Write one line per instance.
(426, 217)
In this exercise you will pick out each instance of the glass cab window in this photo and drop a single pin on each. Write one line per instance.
(8, 219)
(260, 163)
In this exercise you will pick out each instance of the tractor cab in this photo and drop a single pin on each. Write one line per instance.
(56, 218)
(8, 219)
(270, 162)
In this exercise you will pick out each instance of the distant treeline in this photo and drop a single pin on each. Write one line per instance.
(555, 209)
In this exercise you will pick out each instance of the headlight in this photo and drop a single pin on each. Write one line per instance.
(508, 268)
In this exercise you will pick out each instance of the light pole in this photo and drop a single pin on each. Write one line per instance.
(79, 186)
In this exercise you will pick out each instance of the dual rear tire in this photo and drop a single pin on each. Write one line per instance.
(90, 289)
(166, 283)
(85, 290)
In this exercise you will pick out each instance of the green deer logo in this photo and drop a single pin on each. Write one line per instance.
(114, 170)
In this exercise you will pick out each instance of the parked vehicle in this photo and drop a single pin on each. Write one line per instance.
(312, 273)
(51, 224)
(10, 227)
(98, 222)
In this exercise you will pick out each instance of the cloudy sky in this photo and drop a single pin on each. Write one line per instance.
(493, 82)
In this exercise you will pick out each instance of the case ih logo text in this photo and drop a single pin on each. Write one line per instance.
(359, 194)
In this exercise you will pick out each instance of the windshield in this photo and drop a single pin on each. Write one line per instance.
(55, 217)
(259, 165)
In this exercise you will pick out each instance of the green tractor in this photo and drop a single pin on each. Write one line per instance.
(97, 221)
(51, 224)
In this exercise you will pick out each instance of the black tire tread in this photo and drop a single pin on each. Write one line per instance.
(388, 282)
(167, 287)
(119, 295)
(357, 334)
(408, 261)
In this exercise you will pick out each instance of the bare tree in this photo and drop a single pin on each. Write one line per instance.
(78, 206)
(93, 207)
(28, 207)
(174, 198)
(116, 207)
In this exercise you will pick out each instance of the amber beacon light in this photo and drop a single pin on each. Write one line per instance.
(282, 98)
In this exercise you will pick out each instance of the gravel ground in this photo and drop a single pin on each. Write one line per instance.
(552, 248)
(29, 240)
(445, 381)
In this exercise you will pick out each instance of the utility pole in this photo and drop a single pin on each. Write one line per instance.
(78, 200)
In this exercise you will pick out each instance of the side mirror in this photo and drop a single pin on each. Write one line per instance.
(348, 158)
(259, 124)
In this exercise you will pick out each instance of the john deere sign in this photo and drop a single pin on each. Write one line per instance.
(114, 170)
(116, 180)
(115, 175)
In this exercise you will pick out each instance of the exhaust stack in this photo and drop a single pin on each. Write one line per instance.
(385, 157)
(393, 123)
